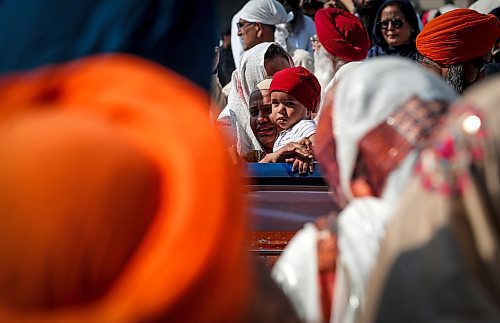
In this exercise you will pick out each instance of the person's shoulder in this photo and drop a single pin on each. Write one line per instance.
(306, 123)
(375, 51)
(309, 23)
(303, 127)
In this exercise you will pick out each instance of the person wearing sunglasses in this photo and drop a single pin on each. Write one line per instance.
(395, 30)
(457, 45)
(258, 20)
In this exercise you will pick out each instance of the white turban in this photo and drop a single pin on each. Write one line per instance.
(268, 12)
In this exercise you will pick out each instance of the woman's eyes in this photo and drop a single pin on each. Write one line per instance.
(253, 112)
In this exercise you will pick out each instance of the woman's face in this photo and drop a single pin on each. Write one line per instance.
(394, 26)
(260, 110)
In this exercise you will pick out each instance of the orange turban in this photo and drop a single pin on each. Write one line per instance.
(458, 36)
(110, 212)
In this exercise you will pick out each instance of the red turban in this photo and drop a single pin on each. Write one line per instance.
(458, 36)
(342, 34)
(299, 83)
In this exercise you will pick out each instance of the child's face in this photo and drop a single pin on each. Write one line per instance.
(286, 110)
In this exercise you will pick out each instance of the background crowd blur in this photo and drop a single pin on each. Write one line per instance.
(124, 124)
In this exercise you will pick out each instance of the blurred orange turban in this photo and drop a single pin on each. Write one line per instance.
(110, 212)
(458, 36)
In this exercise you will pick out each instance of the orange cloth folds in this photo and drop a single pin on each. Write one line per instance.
(458, 36)
(111, 211)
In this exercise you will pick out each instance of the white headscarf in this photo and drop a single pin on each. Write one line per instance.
(370, 94)
(364, 100)
(268, 12)
(245, 80)
(342, 72)
(485, 6)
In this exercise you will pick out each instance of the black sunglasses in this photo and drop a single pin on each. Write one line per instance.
(396, 23)
(241, 25)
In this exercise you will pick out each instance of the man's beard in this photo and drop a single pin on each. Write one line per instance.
(456, 78)
(323, 67)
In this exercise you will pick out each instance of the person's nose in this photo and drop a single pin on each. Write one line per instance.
(390, 25)
(281, 109)
(262, 118)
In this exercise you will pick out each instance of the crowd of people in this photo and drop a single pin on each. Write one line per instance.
(123, 138)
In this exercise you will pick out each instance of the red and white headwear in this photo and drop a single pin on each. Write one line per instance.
(342, 34)
(299, 83)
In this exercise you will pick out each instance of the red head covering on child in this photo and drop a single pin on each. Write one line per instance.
(299, 83)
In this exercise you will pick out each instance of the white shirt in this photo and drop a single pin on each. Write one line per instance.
(302, 129)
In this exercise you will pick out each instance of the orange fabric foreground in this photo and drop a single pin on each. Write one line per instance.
(110, 210)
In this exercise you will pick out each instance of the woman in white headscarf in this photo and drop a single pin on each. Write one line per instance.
(368, 142)
(257, 64)
(383, 113)
(439, 261)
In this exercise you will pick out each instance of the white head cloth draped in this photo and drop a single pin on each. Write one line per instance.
(370, 94)
(244, 81)
(268, 12)
(363, 100)
(485, 6)
(340, 74)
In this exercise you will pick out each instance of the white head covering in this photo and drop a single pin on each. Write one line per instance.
(342, 72)
(245, 80)
(485, 6)
(371, 93)
(363, 100)
(268, 12)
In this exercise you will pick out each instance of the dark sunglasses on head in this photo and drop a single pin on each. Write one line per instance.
(396, 23)
(241, 25)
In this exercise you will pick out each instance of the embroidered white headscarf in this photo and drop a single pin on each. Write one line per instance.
(245, 79)
(370, 94)
(364, 100)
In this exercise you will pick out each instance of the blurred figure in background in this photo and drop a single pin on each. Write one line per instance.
(347, 5)
(367, 10)
(485, 6)
(439, 262)
(176, 34)
(449, 5)
(430, 14)
(101, 210)
(311, 6)
(226, 63)
(490, 7)
(396, 29)
(457, 45)
(367, 143)
(301, 28)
